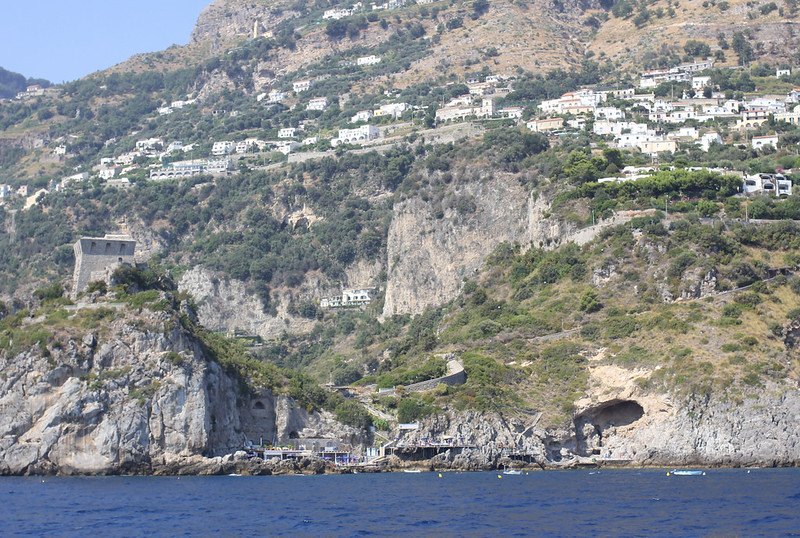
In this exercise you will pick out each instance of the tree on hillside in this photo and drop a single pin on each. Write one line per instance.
(742, 47)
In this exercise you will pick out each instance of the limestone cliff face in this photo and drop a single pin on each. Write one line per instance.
(225, 304)
(429, 257)
(135, 396)
(224, 20)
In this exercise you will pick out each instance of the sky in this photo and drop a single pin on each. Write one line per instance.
(64, 40)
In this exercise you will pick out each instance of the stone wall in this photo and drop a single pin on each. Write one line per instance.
(97, 257)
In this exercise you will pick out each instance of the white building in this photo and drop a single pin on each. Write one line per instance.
(354, 136)
(276, 96)
(81, 176)
(767, 103)
(728, 109)
(655, 146)
(486, 110)
(348, 298)
(394, 110)
(111, 171)
(577, 102)
(609, 113)
(287, 132)
(302, 85)
(5, 191)
(774, 184)
(181, 169)
(617, 128)
(711, 137)
(120, 183)
(361, 115)
(336, 13)
(368, 60)
(633, 140)
(684, 133)
(545, 124)
(651, 79)
(512, 112)
(287, 146)
(223, 147)
(175, 145)
(759, 142)
(789, 117)
(698, 83)
(318, 103)
(150, 143)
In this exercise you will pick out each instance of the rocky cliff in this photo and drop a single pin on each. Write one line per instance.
(134, 394)
(430, 255)
(620, 423)
(224, 304)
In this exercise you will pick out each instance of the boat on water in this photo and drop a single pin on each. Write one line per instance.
(687, 472)
(412, 470)
(512, 471)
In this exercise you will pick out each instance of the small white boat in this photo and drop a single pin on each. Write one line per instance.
(512, 471)
(412, 470)
(687, 472)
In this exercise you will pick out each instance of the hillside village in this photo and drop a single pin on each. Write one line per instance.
(553, 232)
(621, 116)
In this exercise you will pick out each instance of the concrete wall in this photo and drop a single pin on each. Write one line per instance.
(457, 375)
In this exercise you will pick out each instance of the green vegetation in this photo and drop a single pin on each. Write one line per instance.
(12, 83)
(528, 326)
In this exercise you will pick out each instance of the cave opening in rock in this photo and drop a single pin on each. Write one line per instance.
(595, 425)
(259, 405)
(294, 435)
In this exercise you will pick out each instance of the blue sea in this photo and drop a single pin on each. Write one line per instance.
(735, 502)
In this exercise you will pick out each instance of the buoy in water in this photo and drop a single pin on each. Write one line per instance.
(440, 475)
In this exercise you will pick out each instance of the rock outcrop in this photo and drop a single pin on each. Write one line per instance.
(619, 423)
(429, 258)
(225, 304)
(138, 395)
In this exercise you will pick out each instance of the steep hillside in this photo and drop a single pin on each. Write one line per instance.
(503, 36)
(360, 202)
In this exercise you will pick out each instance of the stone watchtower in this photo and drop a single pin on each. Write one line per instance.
(96, 258)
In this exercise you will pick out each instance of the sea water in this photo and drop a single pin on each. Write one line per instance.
(734, 502)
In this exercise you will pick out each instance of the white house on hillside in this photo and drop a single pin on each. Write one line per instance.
(774, 184)
(302, 85)
(353, 136)
(711, 137)
(222, 147)
(361, 115)
(368, 60)
(759, 142)
(318, 103)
